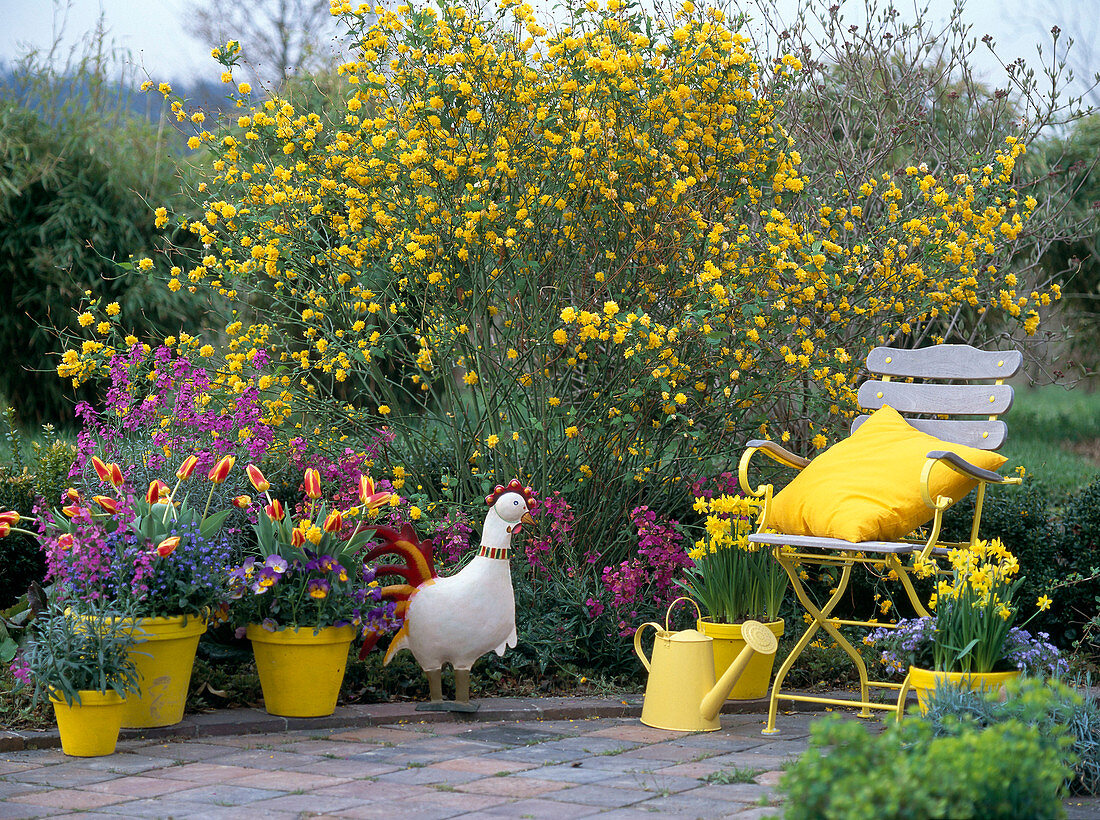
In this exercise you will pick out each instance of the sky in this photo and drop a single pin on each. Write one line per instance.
(154, 33)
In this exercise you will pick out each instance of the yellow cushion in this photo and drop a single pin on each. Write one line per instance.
(867, 487)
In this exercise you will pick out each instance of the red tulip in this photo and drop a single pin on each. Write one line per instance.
(71, 510)
(312, 483)
(107, 503)
(261, 484)
(102, 470)
(242, 502)
(297, 537)
(274, 510)
(334, 521)
(157, 490)
(72, 494)
(373, 500)
(220, 470)
(65, 541)
(10, 518)
(188, 467)
(109, 473)
(168, 546)
(5, 529)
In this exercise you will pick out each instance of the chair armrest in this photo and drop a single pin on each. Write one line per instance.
(773, 451)
(961, 465)
(778, 453)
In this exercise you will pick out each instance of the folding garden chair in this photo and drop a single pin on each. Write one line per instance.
(878, 497)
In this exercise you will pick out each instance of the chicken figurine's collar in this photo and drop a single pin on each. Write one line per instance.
(508, 509)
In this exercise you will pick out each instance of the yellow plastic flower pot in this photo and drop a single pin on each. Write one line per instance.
(89, 728)
(924, 681)
(301, 672)
(728, 643)
(164, 660)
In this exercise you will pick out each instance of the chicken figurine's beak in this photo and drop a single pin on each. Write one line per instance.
(527, 519)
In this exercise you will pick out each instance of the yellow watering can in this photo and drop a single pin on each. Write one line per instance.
(681, 694)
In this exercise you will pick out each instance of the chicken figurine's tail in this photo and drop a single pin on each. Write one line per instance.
(418, 570)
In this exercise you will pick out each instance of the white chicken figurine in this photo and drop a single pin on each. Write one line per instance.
(459, 618)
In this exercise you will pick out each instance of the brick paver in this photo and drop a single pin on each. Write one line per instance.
(611, 767)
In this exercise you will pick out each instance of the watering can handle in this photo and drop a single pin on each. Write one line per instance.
(668, 614)
(638, 642)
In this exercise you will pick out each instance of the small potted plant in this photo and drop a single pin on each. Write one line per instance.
(79, 656)
(735, 581)
(971, 639)
(156, 556)
(306, 596)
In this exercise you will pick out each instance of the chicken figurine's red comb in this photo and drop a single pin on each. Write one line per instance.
(514, 486)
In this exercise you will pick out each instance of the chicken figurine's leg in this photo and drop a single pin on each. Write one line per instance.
(461, 703)
(435, 684)
(462, 688)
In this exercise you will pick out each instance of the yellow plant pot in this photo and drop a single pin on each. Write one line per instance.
(756, 680)
(301, 672)
(89, 728)
(924, 681)
(164, 660)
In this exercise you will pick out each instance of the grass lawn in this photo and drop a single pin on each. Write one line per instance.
(1049, 430)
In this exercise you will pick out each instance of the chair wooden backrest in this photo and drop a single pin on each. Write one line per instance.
(956, 393)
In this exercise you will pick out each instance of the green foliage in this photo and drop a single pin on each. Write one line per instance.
(81, 646)
(21, 557)
(1051, 707)
(1054, 414)
(77, 171)
(19, 708)
(53, 458)
(908, 772)
(1077, 591)
(1071, 161)
(560, 635)
(734, 775)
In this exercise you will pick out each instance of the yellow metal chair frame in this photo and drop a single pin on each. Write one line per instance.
(938, 400)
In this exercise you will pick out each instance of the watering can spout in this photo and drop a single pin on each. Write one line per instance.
(758, 638)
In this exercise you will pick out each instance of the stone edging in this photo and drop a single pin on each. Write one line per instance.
(222, 722)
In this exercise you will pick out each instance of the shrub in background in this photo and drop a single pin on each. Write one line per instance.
(80, 168)
(21, 558)
(521, 267)
(1077, 565)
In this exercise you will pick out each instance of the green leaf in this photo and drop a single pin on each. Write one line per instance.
(8, 648)
(213, 523)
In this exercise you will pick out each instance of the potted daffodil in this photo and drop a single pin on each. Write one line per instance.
(735, 581)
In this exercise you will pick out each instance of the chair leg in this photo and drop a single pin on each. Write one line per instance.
(905, 686)
(820, 620)
(894, 563)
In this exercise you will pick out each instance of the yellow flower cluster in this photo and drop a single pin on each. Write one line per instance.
(982, 575)
(729, 521)
(592, 250)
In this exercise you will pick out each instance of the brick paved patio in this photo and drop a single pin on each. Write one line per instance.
(613, 767)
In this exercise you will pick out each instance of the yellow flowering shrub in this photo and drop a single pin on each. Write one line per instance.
(570, 256)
